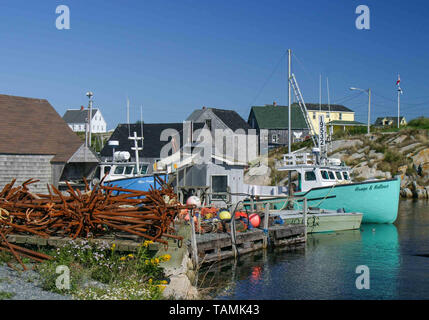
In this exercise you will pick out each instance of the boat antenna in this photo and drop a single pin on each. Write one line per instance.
(128, 116)
(141, 122)
(320, 93)
(329, 109)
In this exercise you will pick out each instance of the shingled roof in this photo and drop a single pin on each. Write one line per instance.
(151, 134)
(32, 126)
(229, 117)
(326, 107)
(77, 115)
(277, 117)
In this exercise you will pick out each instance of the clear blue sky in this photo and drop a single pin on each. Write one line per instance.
(175, 56)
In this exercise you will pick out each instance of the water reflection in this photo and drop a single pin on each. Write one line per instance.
(324, 269)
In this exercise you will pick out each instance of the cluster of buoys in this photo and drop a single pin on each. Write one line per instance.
(213, 215)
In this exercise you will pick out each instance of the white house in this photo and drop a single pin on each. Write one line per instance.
(77, 119)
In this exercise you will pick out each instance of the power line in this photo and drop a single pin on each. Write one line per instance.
(268, 79)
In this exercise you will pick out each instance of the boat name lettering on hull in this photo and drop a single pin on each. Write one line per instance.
(372, 187)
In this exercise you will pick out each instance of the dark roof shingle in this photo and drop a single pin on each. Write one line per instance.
(229, 117)
(325, 107)
(151, 133)
(32, 126)
(77, 115)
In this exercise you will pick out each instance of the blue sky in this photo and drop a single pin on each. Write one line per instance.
(175, 56)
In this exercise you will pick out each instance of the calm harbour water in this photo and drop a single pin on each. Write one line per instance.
(397, 256)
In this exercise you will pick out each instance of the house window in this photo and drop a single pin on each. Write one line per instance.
(209, 124)
(275, 138)
(340, 116)
(219, 184)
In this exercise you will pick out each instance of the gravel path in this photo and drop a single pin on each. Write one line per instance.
(24, 285)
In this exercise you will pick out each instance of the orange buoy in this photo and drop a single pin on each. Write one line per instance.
(255, 220)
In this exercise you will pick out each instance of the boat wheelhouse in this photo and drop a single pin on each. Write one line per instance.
(311, 174)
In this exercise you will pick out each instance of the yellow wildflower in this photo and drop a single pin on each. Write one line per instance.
(113, 246)
(147, 243)
(130, 256)
(150, 281)
(122, 258)
(166, 257)
(163, 281)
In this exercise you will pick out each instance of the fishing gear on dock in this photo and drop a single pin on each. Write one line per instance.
(90, 213)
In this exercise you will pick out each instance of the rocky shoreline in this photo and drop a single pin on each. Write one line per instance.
(381, 155)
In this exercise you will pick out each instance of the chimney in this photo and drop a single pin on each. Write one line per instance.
(82, 108)
(275, 104)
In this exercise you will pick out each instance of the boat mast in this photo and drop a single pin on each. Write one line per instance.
(289, 103)
(289, 121)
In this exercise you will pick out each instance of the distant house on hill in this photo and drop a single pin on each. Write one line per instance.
(335, 115)
(275, 119)
(390, 121)
(36, 143)
(77, 120)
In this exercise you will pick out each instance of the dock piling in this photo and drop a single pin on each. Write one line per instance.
(266, 216)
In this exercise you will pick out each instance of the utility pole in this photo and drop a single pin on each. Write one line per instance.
(399, 103)
(369, 111)
(89, 94)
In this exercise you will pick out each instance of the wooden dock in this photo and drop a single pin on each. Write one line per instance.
(126, 245)
(212, 247)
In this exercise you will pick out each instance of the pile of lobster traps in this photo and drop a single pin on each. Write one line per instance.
(91, 213)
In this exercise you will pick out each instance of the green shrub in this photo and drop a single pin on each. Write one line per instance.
(421, 123)
(103, 264)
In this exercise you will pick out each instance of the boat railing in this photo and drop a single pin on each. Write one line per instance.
(296, 159)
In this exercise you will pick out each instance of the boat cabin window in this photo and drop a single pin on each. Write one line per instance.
(346, 175)
(143, 169)
(129, 169)
(119, 170)
(106, 169)
(324, 174)
(338, 174)
(331, 175)
(310, 176)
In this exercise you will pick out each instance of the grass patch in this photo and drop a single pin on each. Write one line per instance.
(5, 257)
(130, 276)
(6, 295)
